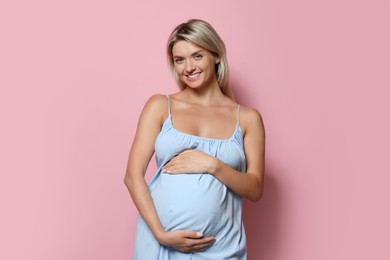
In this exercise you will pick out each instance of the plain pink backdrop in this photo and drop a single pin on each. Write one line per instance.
(74, 76)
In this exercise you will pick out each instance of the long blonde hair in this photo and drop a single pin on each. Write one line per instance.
(202, 34)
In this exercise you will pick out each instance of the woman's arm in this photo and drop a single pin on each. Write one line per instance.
(248, 185)
(149, 125)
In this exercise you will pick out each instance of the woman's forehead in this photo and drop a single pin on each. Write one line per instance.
(185, 47)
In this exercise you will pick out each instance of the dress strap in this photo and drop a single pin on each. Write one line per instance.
(169, 105)
(238, 115)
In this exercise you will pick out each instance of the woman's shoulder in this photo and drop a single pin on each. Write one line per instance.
(249, 113)
(157, 105)
(250, 117)
(157, 101)
(161, 99)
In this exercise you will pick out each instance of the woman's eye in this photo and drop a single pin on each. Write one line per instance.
(198, 57)
(178, 60)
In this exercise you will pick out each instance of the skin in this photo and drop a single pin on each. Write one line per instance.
(200, 109)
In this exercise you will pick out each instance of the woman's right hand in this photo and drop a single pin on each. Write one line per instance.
(185, 241)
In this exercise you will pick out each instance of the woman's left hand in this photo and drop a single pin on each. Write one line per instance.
(190, 161)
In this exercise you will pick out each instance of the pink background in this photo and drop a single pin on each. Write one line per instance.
(74, 76)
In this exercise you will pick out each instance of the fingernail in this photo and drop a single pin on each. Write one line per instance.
(199, 234)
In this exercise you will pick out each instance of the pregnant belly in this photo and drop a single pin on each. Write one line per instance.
(190, 202)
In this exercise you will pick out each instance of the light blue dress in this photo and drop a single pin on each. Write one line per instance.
(195, 202)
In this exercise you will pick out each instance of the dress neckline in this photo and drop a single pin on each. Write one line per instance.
(236, 130)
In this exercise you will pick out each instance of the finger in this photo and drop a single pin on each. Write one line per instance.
(193, 234)
(169, 166)
(202, 241)
(205, 240)
(169, 163)
(198, 242)
(202, 246)
(174, 162)
(175, 168)
(169, 170)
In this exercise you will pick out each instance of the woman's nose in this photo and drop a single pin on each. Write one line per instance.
(189, 66)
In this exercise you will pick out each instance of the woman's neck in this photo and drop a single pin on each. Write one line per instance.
(204, 97)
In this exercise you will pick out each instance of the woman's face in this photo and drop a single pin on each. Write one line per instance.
(194, 65)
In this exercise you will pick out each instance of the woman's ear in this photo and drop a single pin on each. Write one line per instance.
(216, 60)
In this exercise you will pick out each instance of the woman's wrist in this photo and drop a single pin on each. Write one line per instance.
(159, 235)
(215, 164)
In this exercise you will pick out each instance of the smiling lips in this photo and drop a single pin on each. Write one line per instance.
(193, 77)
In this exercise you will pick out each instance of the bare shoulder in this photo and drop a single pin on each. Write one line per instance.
(157, 100)
(157, 105)
(251, 119)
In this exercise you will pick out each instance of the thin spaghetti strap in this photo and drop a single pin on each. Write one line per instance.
(238, 115)
(169, 105)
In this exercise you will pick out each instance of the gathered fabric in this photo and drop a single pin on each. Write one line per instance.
(195, 202)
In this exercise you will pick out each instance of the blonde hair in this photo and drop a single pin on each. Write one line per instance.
(202, 34)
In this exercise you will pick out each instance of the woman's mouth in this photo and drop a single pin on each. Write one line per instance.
(193, 77)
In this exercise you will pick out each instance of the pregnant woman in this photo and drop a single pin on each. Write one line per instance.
(209, 152)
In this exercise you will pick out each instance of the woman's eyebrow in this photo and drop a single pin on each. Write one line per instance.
(193, 54)
(197, 52)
